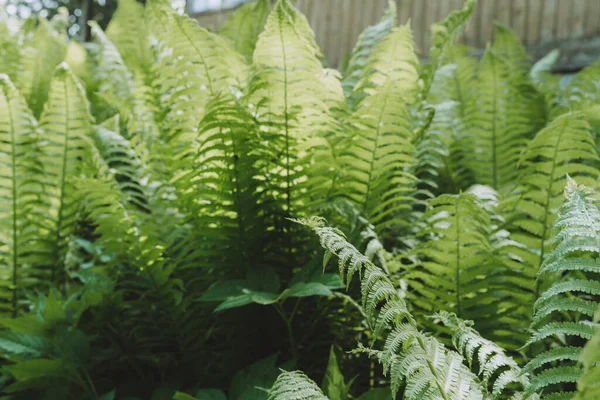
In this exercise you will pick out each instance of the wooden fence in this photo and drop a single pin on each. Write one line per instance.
(541, 24)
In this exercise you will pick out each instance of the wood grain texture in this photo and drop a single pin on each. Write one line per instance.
(337, 23)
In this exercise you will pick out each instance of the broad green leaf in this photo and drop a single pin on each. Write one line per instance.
(333, 385)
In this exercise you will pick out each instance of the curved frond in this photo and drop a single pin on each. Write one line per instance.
(499, 120)
(414, 361)
(244, 26)
(393, 60)
(65, 125)
(45, 50)
(556, 317)
(443, 36)
(368, 40)
(564, 147)
(128, 30)
(377, 161)
(291, 101)
(115, 79)
(454, 267)
(498, 371)
(295, 385)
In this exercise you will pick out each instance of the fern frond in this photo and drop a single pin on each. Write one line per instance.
(588, 386)
(10, 55)
(20, 180)
(393, 60)
(244, 26)
(290, 100)
(443, 37)
(412, 359)
(41, 55)
(368, 40)
(219, 189)
(129, 33)
(499, 120)
(582, 90)
(454, 267)
(508, 46)
(116, 80)
(563, 147)
(295, 385)
(66, 126)
(377, 161)
(563, 311)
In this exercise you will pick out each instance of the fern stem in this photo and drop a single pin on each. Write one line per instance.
(546, 210)
(62, 184)
(457, 225)
(432, 369)
(372, 163)
(288, 189)
(14, 212)
(288, 325)
(494, 155)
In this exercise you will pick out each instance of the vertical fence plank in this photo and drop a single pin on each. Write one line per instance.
(535, 20)
(548, 26)
(578, 17)
(562, 18)
(337, 23)
(592, 17)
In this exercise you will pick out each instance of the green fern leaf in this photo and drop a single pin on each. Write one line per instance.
(392, 60)
(409, 356)
(20, 180)
(443, 37)
(244, 26)
(66, 127)
(368, 40)
(560, 312)
(40, 57)
(295, 385)
(129, 33)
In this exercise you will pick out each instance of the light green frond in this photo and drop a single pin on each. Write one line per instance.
(393, 60)
(368, 40)
(122, 161)
(563, 313)
(20, 183)
(416, 362)
(499, 119)
(508, 46)
(65, 125)
(289, 99)
(564, 147)
(588, 386)
(541, 74)
(194, 65)
(244, 26)
(454, 268)
(378, 158)
(219, 188)
(583, 89)
(295, 385)
(45, 50)
(129, 33)
(443, 36)
(10, 55)
(115, 79)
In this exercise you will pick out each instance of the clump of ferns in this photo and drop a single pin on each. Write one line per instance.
(416, 363)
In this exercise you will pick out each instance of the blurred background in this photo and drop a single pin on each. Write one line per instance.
(573, 26)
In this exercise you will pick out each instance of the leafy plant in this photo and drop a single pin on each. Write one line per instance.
(151, 182)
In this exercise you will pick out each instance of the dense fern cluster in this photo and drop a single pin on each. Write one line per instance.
(161, 187)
